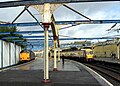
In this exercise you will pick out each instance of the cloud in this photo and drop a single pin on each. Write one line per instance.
(93, 10)
(98, 11)
(8, 14)
(88, 9)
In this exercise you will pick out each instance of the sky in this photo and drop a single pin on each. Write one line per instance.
(93, 10)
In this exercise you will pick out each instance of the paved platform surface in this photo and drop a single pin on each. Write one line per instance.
(69, 74)
(109, 60)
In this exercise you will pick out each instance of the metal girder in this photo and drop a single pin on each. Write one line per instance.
(32, 39)
(77, 12)
(54, 29)
(33, 43)
(37, 41)
(42, 39)
(26, 9)
(86, 22)
(23, 40)
(79, 38)
(28, 32)
(112, 27)
(34, 17)
(3, 22)
(20, 24)
(23, 32)
(41, 2)
(64, 22)
(19, 40)
(12, 37)
(85, 38)
(4, 33)
(20, 14)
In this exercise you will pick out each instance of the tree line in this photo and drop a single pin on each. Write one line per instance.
(11, 30)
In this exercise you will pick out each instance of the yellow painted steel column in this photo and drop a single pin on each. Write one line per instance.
(46, 23)
(55, 60)
(118, 52)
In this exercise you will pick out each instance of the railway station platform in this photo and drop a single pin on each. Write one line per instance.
(70, 74)
(108, 60)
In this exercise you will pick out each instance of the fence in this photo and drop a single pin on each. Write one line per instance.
(9, 54)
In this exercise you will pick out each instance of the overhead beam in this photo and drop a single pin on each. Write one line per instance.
(86, 38)
(20, 24)
(34, 17)
(63, 23)
(20, 14)
(77, 12)
(13, 37)
(10, 37)
(112, 27)
(33, 38)
(4, 33)
(29, 32)
(37, 41)
(75, 38)
(26, 9)
(86, 22)
(22, 32)
(54, 29)
(32, 43)
(3, 22)
(41, 2)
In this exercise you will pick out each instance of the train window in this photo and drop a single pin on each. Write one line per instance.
(90, 52)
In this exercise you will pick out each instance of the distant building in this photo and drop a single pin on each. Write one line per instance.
(77, 44)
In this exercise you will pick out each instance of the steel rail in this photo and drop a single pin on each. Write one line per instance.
(113, 75)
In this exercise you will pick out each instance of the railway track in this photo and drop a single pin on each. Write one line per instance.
(112, 73)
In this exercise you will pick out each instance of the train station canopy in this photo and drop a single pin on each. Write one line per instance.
(76, 19)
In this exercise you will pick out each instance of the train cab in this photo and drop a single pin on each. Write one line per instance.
(26, 55)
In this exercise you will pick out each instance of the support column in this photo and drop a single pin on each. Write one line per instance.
(50, 54)
(118, 52)
(15, 51)
(9, 54)
(58, 50)
(2, 54)
(46, 23)
(55, 61)
(46, 60)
